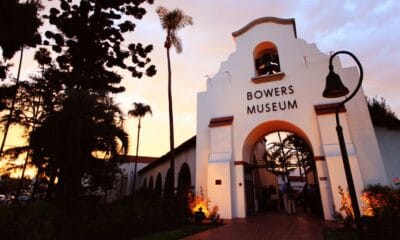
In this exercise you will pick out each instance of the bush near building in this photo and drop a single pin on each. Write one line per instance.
(88, 219)
(382, 211)
(381, 114)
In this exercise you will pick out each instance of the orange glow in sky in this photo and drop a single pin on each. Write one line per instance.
(367, 28)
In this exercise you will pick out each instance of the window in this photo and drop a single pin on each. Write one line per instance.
(266, 59)
(266, 63)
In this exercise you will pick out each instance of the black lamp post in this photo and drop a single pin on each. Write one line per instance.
(334, 88)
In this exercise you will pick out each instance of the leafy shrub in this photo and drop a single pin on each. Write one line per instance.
(88, 219)
(345, 214)
(383, 203)
(381, 114)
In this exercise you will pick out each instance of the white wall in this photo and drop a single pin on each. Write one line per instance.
(128, 174)
(305, 68)
(389, 144)
(187, 156)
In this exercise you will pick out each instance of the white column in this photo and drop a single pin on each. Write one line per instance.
(219, 170)
(334, 162)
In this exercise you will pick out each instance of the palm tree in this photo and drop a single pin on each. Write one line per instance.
(25, 18)
(42, 56)
(68, 142)
(171, 22)
(303, 153)
(139, 111)
(12, 107)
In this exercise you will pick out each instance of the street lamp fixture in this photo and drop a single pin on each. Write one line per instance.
(334, 88)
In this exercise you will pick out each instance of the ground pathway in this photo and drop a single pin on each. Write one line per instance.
(267, 226)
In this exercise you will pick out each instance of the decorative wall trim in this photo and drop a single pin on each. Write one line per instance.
(242, 163)
(221, 121)
(268, 78)
(140, 159)
(253, 23)
(319, 158)
(328, 108)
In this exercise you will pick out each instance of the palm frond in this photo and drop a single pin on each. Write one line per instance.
(139, 110)
(177, 43)
(172, 21)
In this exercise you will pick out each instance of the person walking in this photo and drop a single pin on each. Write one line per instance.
(289, 198)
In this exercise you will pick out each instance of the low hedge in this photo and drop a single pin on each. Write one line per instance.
(88, 219)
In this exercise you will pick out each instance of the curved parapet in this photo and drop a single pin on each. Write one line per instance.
(284, 21)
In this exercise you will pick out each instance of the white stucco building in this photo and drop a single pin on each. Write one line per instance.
(273, 81)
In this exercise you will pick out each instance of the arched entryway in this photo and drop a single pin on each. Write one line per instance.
(144, 184)
(279, 154)
(184, 187)
(184, 179)
(158, 186)
(168, 185)
(151, 184)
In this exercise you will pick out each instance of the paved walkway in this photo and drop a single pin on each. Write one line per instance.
(267, 226)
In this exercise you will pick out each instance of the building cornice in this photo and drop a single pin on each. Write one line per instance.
(221, 121)
(283, 21)
(190, 143)
(329, 108)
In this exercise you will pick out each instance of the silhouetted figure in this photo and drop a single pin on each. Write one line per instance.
(289, 198)
(305, 197)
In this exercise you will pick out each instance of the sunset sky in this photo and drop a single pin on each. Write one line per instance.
(368, 28)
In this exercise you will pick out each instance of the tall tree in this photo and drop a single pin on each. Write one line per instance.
(69, 139)
(88, 47)
(89, 42)
(139, 111)
(304, 155)
(171, 22)
(381, 114)
(19, 23)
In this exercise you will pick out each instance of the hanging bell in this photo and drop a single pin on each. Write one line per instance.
(334, 87)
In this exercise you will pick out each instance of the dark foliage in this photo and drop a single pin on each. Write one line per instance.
(67, 139)
(10, 185)
(381, 114)
(67, 107)
(384, 201)
(6, 92)
(19, 23)
(34, 101)
(279, 154)
(89, 41)
(88, 220)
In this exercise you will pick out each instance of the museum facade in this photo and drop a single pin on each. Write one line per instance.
(273, 83)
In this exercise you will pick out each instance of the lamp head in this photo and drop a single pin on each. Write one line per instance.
(334, 87)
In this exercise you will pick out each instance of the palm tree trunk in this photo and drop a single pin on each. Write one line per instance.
(304, 168)
(283, 157)
(136, 160)
(12, 104)
(298, 164)
(21, 180)
(28, 151)
(171, 123)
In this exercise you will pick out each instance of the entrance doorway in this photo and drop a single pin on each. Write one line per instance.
(280, 159)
